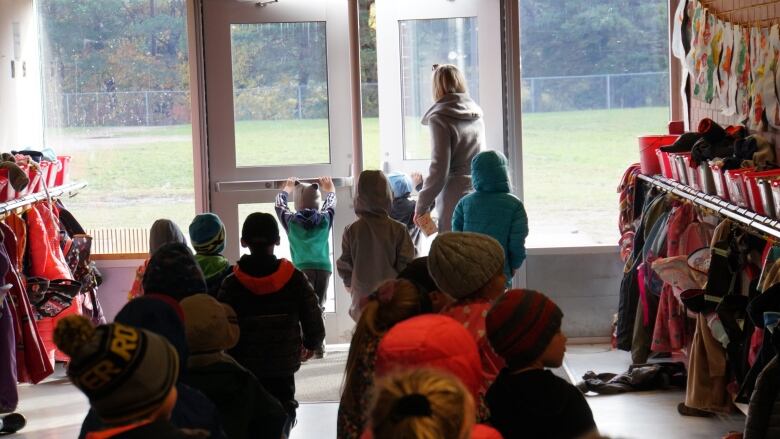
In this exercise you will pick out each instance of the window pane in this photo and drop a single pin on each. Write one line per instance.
(595, 76)
(423, 44)
(116, 91)
(283, 250)
(280, 93)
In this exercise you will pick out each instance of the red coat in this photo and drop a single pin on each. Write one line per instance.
(32, 361)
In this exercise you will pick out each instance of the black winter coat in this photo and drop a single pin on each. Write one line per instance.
(277, 311)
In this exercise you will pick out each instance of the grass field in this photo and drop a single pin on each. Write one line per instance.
(572, 164)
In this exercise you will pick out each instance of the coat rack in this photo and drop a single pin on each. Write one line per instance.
(759, 223)
(69, 189)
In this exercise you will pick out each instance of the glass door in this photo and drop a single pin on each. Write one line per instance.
(278, 105)
(412, 36)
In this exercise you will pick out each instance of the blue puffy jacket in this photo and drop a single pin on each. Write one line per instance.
(493, 210)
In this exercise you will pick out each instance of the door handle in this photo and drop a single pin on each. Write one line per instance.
(266, 185)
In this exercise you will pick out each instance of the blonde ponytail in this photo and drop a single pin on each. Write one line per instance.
(424, 404)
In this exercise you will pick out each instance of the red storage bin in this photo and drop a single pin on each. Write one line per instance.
(648, 160)
(63, 175)
(720, 181)
(45, 168)
(679, 171)
(32, 174)
(7, 192)
(754, 191)
(692, 173)
(665, 163)
(736, 186)
(54, 169)
(776, 196)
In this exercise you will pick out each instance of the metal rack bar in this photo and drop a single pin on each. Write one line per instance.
(69, 189)
(760, 223)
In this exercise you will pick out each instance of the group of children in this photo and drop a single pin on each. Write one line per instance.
(441, 348)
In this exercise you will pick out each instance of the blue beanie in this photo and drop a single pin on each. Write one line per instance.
(400, 183)
(207, 234)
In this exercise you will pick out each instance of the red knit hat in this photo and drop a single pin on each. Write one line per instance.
(521, 324)
(432, 341)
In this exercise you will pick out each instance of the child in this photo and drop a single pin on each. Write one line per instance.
(136, 398)
(375, 247)
(163, 231)
(403, 206)
(470, 268)
(172, 273)
(277, 312)
(436, 342)
(526, 400)
(207, 234)
(396, 300)
(246, 408)
(417, 273)
(422, 403)
(193, 410)
(493, 210)
(308, 230)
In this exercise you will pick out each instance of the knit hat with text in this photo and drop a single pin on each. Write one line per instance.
(521, 324)
(462, 262)
(125, 372)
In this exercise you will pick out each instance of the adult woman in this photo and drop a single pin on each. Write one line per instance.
(457, 135)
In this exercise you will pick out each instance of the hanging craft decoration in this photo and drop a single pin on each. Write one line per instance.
(733, 66)
(726, 80)
(759, 42)
(701, 59)
(742, 71)
(773, 105)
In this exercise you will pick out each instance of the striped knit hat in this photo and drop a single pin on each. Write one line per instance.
(521, 324)
(207, 234)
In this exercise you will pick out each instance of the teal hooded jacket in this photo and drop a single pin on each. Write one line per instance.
(492, 210)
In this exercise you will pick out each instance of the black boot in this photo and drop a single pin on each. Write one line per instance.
(12, 422)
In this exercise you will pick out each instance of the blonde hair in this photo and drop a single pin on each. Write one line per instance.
(447, 78)
(395, 301)
(449, 407)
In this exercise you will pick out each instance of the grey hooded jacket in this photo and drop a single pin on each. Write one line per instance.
(457, 135)
(375, 247)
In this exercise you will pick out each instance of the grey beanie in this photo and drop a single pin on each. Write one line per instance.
(462, 262)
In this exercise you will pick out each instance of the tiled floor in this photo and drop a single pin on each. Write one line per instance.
(55, 409)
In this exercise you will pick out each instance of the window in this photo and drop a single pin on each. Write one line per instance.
(423, 44)
(116, 97)
(595, 76)
(280, 87)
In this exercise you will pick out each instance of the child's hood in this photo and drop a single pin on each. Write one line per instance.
(489, 172)
(373, 195)
(261, 281)
(400, 183)
(456, 106)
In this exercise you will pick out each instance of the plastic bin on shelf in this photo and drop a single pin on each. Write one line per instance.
(32, 173)
(666, 164)
(706, 179)
(736, 186)
(776, 196)
(7, 192)
(692, 173)
(678, 160)
(767, 199)
(720, 181)
(648, 159)
(754, 191)
(63, 173)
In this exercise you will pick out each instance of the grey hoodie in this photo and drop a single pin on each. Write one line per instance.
(457, 135)
(375, 247)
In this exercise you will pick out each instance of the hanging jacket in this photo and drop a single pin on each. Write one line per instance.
(763, 417)
(457, 135)
(375, 247)
(277, 311)
(492, 210)
(308, 231)
(46, 258)
(32, 359)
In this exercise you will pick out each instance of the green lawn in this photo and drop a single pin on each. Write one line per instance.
(572, 164)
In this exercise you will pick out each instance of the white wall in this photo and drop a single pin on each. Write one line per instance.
(21, 113)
